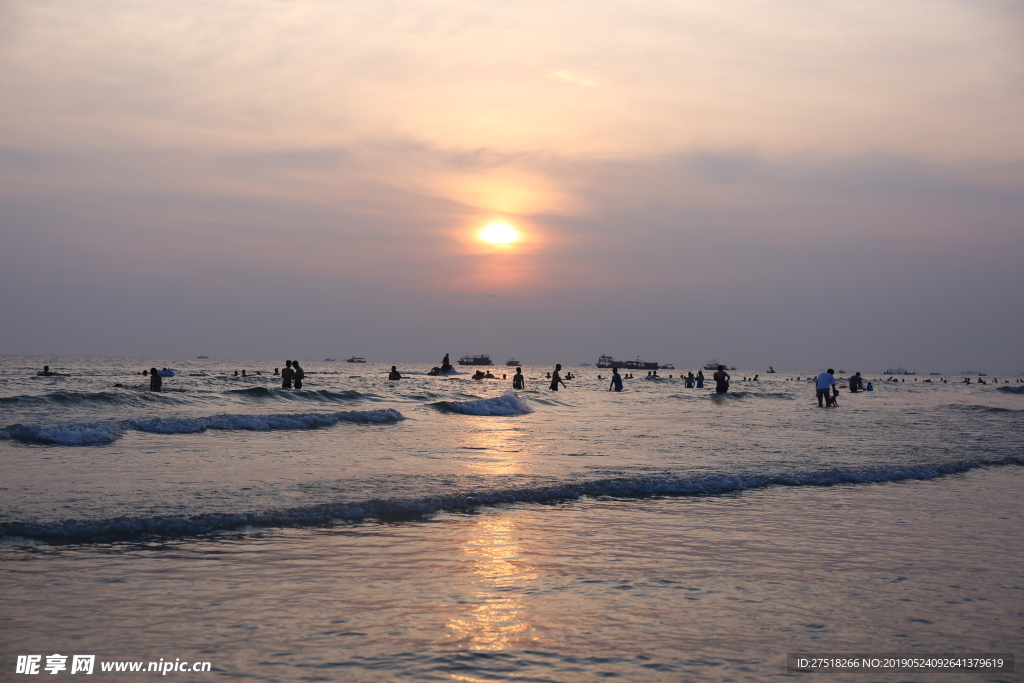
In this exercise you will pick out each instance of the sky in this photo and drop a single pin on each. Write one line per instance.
(765, 182)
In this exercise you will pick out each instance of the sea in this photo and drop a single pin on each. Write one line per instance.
(441, 528)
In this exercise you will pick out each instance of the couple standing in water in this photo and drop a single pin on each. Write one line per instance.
(292, 373)
(519, 381)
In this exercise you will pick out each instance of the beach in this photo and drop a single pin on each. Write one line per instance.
(444, 529)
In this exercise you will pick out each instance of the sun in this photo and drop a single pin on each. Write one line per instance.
(500, 233)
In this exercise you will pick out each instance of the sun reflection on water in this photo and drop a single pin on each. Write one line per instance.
(497, 617)
(498, 447)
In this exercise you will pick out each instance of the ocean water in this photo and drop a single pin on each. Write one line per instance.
(441, 528)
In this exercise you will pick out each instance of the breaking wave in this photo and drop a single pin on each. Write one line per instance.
(506, 404)
(75, 530)
(83, 434)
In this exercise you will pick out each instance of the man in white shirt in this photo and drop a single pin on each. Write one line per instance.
(826, 382)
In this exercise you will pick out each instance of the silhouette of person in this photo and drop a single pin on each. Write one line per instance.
(556, 378)
(394, 374)
(446, 364)
(297, 374)
(616, 383)
(286, 375)
(689, 380)
(518, 381)
(155, 381)
(700, 379)
(856, 383)
(826, 381)
(721, 380)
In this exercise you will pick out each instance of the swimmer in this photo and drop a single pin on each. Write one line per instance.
(518, 381)
(856, 383)
(297, 374)
(616, 384)
(556, 378)
(700, 379)
(721, 380)
(286, 375)
(155, 380)
(394, 374)
(689, 380)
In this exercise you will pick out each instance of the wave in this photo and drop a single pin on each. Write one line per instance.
(506, 404)
(984, 409)
(756, 394)
(1012, 390)
(320, 396)
(326, 514)
(93, 397)
(84, 434)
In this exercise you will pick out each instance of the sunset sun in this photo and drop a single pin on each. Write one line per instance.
(500, 233)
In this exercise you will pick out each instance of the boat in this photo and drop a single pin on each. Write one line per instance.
(356, 359)
(771, 370)
(482, 359)
(202, 356)
(667, 366)
(512, 362)
(328, 360)
(898, 371)
(712, 364)
(609, 362)
(935, 374)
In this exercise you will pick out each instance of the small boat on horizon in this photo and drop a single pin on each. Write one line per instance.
(482, 359)
(513, 363)
(202, 356)
(609, 362)
(712, 364)
(356, 359)
(328, 360)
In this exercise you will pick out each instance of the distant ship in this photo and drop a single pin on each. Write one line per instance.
(356, 359)
(609, 362)
(712, 364)
(328, 360)
(513, 362)
(898, 371)
(202, 356)
(482, 359)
